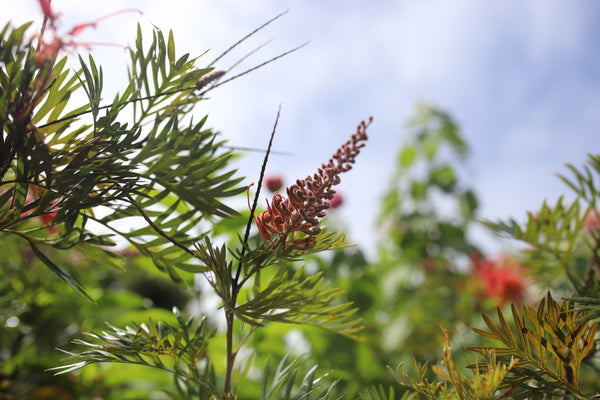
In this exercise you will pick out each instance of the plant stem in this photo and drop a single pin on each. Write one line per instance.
(157, 228)
(235, 285)
(253, 210)
(230, 353)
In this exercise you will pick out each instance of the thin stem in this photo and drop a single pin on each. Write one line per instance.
(254, 68)
(245, 37)
(251, 218)
(230, 354)
(238, 62)
(252, 329)
(235, 287)
(253, 149)
(154, 96)
(592, 271)
(157, 228)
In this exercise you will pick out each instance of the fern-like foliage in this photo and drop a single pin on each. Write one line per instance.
(586, 309)
(561, 243)
(177, 349)
(300, 300)
(288, 297)
(555, 232)
(142, 149)
(281, 386)
(381, 393)
(488, 378)
(555, 340)
(550, 342)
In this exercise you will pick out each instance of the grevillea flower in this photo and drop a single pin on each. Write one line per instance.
(48, 49)
(47, 218)
(48, 13)
(501, 279)
(308, 198)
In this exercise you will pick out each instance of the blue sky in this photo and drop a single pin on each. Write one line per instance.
(521, 78)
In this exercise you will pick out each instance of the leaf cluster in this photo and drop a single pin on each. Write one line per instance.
(177, 349)
(561, 243)
(281, 386)
(551, 343)
(139, 156)
(487, 378)
(287, 296)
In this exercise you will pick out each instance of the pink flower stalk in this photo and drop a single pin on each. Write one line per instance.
(48, 50)
(309, 198)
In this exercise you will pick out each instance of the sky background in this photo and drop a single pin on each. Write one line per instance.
(522, 79)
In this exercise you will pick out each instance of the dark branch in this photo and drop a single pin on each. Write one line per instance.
(258, 187)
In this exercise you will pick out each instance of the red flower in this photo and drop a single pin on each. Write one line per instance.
(336, 201)
(48, 216)
(273, 182)
(47, 219)
(48, 49)
(502, 279)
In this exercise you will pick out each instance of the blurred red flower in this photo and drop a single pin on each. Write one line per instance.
(591, 221)
(48, 216)
(502, 279)
(274, 182)
(336, 201)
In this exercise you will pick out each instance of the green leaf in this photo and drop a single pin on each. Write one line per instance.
(306, 301)
(444, 178)
(62, 274)
(171, 48)
(556, 335)
(282, 385)
(407, 156)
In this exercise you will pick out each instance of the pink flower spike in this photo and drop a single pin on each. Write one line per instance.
(309, 198)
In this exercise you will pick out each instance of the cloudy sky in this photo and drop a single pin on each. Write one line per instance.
(521, 78)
